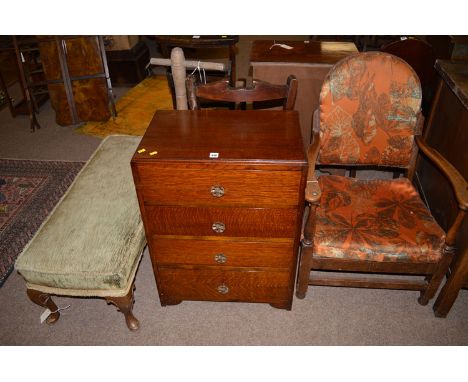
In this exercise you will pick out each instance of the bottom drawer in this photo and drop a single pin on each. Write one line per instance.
(218, 285)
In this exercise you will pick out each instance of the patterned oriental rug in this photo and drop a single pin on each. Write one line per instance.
(134, 110)
(29, 190)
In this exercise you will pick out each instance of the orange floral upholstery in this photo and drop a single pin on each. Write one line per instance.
(376, 220)
(369, 106)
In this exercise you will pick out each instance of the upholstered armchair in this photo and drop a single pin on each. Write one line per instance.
(370, 117)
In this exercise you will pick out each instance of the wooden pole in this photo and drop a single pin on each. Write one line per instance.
(178, 76)
(189, 64)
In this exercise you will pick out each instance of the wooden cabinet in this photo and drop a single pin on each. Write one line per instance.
(77, 77)
(447, 132)
(128, 67)
(222, 195)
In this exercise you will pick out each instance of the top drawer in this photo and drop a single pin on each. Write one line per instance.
(176, 186)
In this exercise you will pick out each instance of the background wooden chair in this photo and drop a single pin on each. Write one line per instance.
(370, 116)
(259, 92)
(196, 48)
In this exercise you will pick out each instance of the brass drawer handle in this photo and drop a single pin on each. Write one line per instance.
(217, 191)
(218, 227)
(220, 258)
(223, 289)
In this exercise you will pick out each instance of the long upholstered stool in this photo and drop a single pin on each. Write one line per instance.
(91, 243)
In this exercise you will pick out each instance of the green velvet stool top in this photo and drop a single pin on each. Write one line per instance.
(92, 242)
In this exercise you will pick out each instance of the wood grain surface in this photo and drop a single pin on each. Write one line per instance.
(202, 284)
(202, 251)
(317, 52)
(168, 186)
(254, 189)
(197, 221)
(243, 136)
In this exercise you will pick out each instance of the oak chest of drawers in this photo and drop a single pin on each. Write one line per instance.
(221, 194)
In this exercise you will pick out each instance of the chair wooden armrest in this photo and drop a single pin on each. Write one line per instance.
(312, 191)
(459, 184)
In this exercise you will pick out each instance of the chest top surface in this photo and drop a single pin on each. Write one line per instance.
(223, 136)
(314, 52)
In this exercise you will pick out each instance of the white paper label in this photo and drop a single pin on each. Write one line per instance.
(214, 155)
(46, 313)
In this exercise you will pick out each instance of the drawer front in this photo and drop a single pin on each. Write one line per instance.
(219, 285)
(236, 222)
(219, 188)
(228, 253)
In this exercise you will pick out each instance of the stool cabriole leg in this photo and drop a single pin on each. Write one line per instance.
(125, 305)
(44, 300)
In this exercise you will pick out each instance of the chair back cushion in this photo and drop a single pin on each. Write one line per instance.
(369, 108)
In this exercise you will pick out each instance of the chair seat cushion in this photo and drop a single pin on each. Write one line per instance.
(94, 237)
(375, 220)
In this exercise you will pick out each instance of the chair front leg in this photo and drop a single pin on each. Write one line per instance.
(436, 278)
(312, 196)
(306, 254)
(304, 272)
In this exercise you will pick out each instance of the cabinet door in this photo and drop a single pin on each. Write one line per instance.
(87, 96)
(91, 99)
(50, 58)
(83, 58)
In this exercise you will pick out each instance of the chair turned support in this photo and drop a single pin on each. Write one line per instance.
(44, 300)
(125, 305)
(434, 281)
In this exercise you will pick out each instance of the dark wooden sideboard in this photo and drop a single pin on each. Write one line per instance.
(309, 61)
(222, 196)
